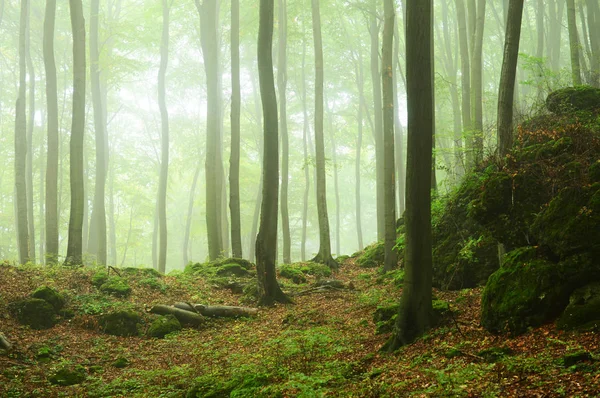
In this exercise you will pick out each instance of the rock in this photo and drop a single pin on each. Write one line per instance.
(120, 323)
(330, 283)
(141, 272)
(68, 375)
(116, 286)
(569, 99)
(99, 278)
(372, 256)
(574, 358)
(441, 311)
(48, 294)
(232, 269)
(290, 272)
(384, 318)
(163, 325)
(120, 363)
(35, 313)
(583, 311)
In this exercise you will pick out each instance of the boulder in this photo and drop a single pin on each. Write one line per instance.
(232, 269)
(48, 294)
(68, 375)
(372, 256)
(120, 323)
(34, 312)
(163, 325)
(570, 99)
(583, 311)
(116, 286)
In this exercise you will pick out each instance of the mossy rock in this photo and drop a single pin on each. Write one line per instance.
(245, 264)
(384, 318)
(314, 269)
(54, 298)
(163, 325)
(574, 358)
(141, 272)
(441, 311)
(372, 257)
(34, 312)
(116, 286)
(120, 363)
(120, 323)
(99, 278)
(232, 269)
(583, 311)
(529, 290)
(290, 272)
(154, 284)
(68, 375)
(570, 99)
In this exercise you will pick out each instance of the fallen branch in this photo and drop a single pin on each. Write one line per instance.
(184, 316)
(4, 343)
(222, 311)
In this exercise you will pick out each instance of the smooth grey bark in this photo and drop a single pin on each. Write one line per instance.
(269, 291)
(387, 83)
(283, 130)
(414, 316)
(21, 141)
(30, 125)
(465, 72)
(75, 243)
(51, 207)
(188, 220)
(359, 73)
(398, 130)
(573, 43)
(41, 182)
(593, 22)
(508, 76)
(97, 244)
(111, 216)
(336, 188)
(257, 203)
(324, 254)
(209, 39)
(234, 157)
(305, 137)
(477, 83)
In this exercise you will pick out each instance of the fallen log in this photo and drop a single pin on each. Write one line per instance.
(4, 343)
(221, 311)
(184, 316)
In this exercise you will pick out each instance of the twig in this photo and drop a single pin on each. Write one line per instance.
(114, 269)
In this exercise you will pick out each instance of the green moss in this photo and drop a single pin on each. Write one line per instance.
(372, 256)
(68, 375)
(231, 269)
(120, 323)
(99, 278)
(116, 286)
(571, 99)
(385, 317)
(141, 272)
(574, 358)
(154, 283)
(594, 171)
(50, 295)
(163, 325)
(35, 313)
(120, 363)
(495, 354)
(315, 269)
(291, 272)
(583, 311)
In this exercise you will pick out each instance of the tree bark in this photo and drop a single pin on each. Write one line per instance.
(218, 311)
(269, 291)
(398, 130)
(573, 43)
(188, 221)
(30, 125)
(508, 77)
(465, 72)
(477, 83)
(183, 316)
(359, 137)
(305, 137)
(593, 15)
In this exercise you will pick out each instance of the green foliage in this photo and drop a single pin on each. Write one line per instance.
(141, 272)
(99, 278)
(154, 284)
(116, 286)
(396, 277)
(68, 375)
(120, 363)
(163, 325)
(385, 317)
(120, 323)
(51, 296)
(289, 271)
(231, 269)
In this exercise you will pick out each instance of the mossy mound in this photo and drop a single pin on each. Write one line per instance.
(384, 318)
(163, 325)
(373, 256)
(583, 311)
(569, 99)
(50, 295)
(291, 272)
(34, 312)
(99, 278)
(116, 286)
(120, 363)
(141, 272)
(232, 269)
(68, 375)
(120, 323)
(210, 268)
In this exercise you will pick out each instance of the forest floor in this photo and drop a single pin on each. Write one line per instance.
(322, 345)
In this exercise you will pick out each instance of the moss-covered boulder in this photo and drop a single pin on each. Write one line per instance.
(99, 278)
(570, 99)
(583, 311)
(68, 375)
(54, 298)
(116, 286)
(120, 363)
(231, 269)
(34, 312)
(120, 323)
(384, 318)
(141, 272)
(163, 325)
(289, 271)
(372, 257)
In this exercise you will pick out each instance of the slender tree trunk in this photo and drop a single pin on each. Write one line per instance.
(285, 157)
(465, 72)
(269, 291)
(387, 82)
(51, 208)
(75, 244)
(573, 43)
(21, 141)
(477, 83)
(41, 182)
(336, 187)
(305, 137)
(257, 203)
(398, 131)
(324, 255)
(234, 158)
(128, 237)
(188, 221)
(111, 216)
(594, 36)
(585, 40)
(30, 125)
(508, 77)
(414, 316)
(357, 174)
(155, 236)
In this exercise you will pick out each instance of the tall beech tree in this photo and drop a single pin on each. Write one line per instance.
(573, 43)
(415, 312)
(30, 126)
(269, 291)
(75, 243)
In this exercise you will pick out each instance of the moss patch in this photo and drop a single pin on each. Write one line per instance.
(571, 99)
(51, 296)
(163, 325)
(68, 375)
(116, 286)
(372, 257)
(583, 311)
(120, 323)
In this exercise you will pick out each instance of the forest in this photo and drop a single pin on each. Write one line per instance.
(273, 198)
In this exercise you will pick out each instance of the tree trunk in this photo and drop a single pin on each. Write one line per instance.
(336, 188)
(324, 254)
(75, 244)
(269, 291)
(477, 83)
(257, 203)
(30, 125)
(508, 77)
(234, 158)
(285, 157)
(465, 72)
(387, 82)
(21, 141)
(218, 311)
(398, 131)
(305, 137)
(357, 174)
(164, 147)
(183, 316)
(594, 32)
(188, 221)
(414, 316)
(111, 216)
(573, 43)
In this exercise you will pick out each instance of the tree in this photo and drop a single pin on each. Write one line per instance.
(359, 76)
(414, 316)
(269, 291)
(593, 14)
(97, 243)
(387, 82)
(508, 76)
(30, 125)
(164, 145)
(21, 141)
(478, 14)
(52, 159)
(573, 43)
(324, 254)
(465, 68)
(74, 246)
(234, 157)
